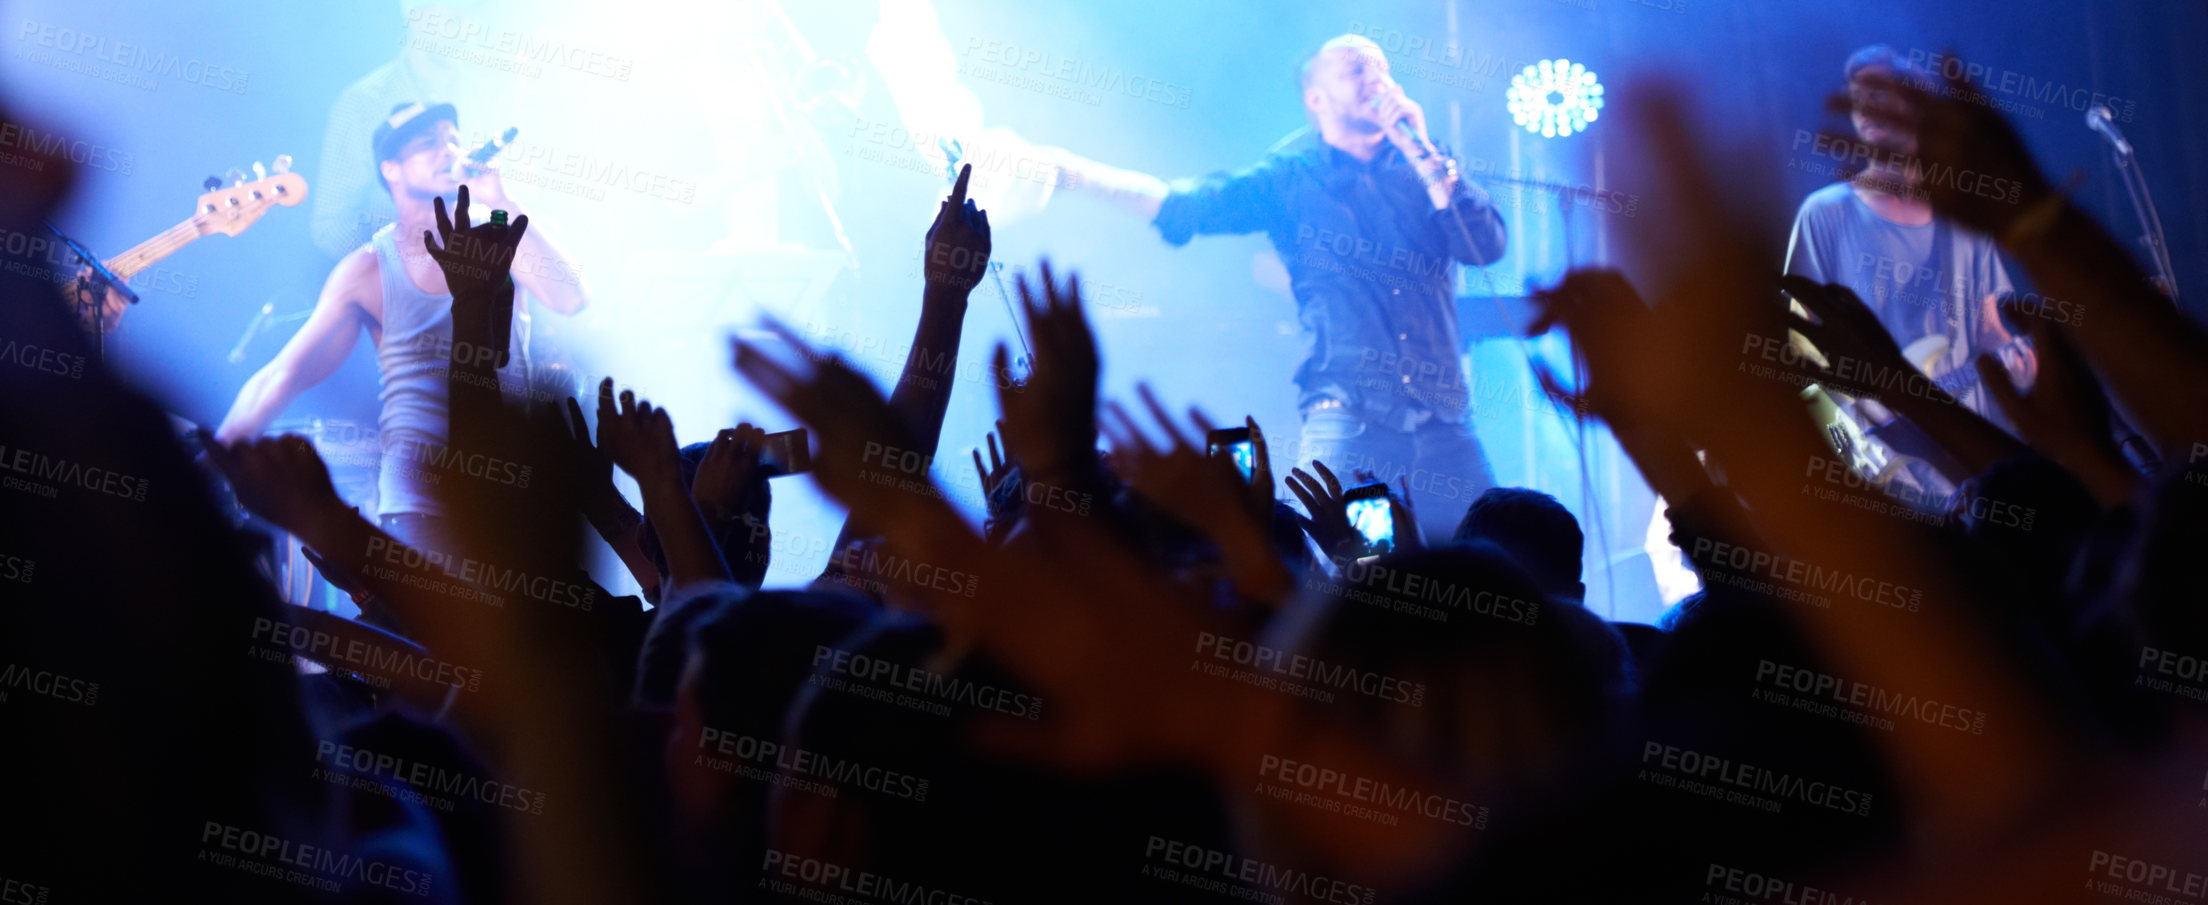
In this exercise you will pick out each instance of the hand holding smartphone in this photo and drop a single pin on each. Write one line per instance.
(786, 453)
(1371, 513)
(1233, 442)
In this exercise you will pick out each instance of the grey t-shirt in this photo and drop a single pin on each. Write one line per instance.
(1896, 269)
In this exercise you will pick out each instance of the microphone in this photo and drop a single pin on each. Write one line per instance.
(479, 157)
(2099, 120)
(1410, 132)
(237, 352)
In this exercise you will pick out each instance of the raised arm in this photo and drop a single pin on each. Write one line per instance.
(1222, 203)
(1136, 193)
(312, 354)
(957, 249)
(641, 439)
(956, 258)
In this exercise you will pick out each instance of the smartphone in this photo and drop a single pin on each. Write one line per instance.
(1234, 442)
(1370, 514)
(786, 453)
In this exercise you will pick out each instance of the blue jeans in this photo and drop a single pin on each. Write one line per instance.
(1442, 463)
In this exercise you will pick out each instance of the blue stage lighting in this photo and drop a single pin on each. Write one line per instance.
(1555, 97)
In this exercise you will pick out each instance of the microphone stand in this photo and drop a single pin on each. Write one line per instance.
(92, 290)
(2130, 442)
(2150, 221)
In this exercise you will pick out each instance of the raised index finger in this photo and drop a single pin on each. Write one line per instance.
(958, 189)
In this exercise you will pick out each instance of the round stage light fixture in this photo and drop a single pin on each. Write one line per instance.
(1554, 98)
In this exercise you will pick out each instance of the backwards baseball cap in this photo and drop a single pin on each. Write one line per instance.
(407, 121)
(1881, 55)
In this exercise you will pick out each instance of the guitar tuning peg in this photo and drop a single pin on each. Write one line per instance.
(259, 172)
(282, 164)
(213, 183)
(236, 176)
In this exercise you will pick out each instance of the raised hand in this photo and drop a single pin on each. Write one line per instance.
(475, 258)
(999, 467)
(1205, 492)
(858, 430)
(476, 261)
(1176, 475)
(726, 471)
(1841, 326)
(1328, 520)
(641, 439)
(1958, 127)
(1402, 519)
(1620, 340)
(868, 458)
(2064, 414)
(592, 465)
(1261, 472)
(637, 436)
(958, 242)
(281, 479)
(1052, 417)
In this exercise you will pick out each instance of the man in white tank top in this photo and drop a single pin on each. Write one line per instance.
(393, 289)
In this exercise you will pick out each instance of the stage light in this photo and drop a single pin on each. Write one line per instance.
(1553, 98)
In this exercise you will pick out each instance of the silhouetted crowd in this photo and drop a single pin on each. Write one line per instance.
(1147, 677)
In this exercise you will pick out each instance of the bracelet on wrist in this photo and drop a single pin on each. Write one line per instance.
(1446, 172)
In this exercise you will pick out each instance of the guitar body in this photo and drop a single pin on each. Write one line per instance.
(1869, 444)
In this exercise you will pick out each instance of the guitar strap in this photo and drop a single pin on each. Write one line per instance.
(1962, 310)
(1943, 263)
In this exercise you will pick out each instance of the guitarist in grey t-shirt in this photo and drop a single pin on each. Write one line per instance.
(1933, 285)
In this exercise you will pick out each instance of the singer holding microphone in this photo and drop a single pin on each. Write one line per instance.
(391, 288)
(1371, 220)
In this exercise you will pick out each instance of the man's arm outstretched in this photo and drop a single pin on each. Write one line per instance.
(312, 354)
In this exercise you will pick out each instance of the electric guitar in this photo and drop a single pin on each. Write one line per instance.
(1870, 450)
(227, 211)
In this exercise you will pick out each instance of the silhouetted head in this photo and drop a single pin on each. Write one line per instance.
(1510, 688)
(1534, 529)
